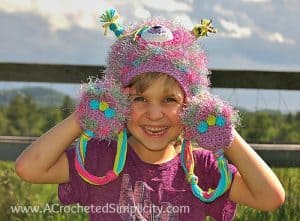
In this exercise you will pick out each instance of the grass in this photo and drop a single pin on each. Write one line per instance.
(13, 191)
(16, 192)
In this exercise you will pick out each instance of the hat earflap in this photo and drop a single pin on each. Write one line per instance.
(102, 111)
(209, 122)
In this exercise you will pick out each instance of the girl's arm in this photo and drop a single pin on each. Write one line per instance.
(255, 184)
(44, 161)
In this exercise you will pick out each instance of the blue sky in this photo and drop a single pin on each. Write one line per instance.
(253, 34)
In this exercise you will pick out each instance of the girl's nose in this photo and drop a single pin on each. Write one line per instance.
(154, 112)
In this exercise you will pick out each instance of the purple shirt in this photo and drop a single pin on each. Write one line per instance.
(144, 191)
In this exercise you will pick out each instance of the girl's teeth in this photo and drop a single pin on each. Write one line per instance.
(156, 131)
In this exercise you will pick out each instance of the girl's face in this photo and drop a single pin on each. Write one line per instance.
(154, 121)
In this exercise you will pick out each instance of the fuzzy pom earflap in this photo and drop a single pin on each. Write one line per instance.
(209, 121)
(103, 108)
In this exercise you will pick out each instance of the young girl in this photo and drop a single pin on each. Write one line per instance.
(155, 93)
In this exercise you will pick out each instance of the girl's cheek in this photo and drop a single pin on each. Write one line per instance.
(137, 109)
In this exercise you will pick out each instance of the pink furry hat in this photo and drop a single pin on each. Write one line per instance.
(161, 46)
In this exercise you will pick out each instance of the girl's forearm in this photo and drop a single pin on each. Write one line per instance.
(43, 153)
(257, 175)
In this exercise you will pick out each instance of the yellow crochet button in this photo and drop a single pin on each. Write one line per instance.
(211, 120)
(103, 106)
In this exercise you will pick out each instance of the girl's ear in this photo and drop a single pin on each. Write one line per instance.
(186, 101)
(126, 90)
(103, 109)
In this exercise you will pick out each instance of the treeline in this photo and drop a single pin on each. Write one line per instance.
(23, 117)
(270, 127)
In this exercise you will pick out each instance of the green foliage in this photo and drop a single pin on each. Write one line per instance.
(67, 106)
(15, 192)
(23, 117)
(43, 96)
(290, 178)
(4, 121)
(270, 127)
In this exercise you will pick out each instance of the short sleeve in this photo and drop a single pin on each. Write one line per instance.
(99, 159)
(222, 209)
(73, 191)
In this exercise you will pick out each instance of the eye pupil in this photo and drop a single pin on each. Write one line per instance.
(138, 99)
(170, 99)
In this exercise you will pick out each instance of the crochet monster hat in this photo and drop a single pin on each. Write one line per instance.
(156, 45)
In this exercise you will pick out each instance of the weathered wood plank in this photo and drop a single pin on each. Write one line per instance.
(52, 73)
(276, 155)
(61, 73)
(255, 79)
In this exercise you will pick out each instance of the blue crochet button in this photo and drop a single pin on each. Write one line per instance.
(195, 89)
(182, 68)
(109, 113)
(136, 62)
(220, 121)
(202, 127)
(157, 51)
(89, 133)
(94, 104)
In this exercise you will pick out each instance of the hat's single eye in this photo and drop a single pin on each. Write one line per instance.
(157, 33)
(156, 29)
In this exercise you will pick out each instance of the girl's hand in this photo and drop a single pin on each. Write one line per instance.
(209, 122)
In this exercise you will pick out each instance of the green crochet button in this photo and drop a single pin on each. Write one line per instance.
(211, 120)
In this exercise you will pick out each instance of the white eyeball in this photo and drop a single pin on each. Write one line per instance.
(157, 33)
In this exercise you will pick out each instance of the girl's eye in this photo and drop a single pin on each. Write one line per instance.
(138, 99)
(170, 99)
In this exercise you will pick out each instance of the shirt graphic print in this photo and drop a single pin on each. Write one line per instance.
(135, 203)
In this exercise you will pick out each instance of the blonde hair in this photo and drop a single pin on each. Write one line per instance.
(143, 81)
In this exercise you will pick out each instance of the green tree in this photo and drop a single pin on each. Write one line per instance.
(3, 122)
(67, 106)
(24, 117)
(52, 116)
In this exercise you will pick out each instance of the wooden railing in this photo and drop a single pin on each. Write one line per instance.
(276, 155)
(283, 155)
(61, 73)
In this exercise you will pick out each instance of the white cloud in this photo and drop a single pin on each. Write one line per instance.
(271, 28)
(234, 30)
(256, 1)
(278, 38)
(184, 20)
(166, 5)
(61, 14)
(219, 9)
(253, 28)
(141, 12)
(15, 5)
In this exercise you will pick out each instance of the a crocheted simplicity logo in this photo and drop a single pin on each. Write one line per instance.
(107, 208)
(51, 208)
